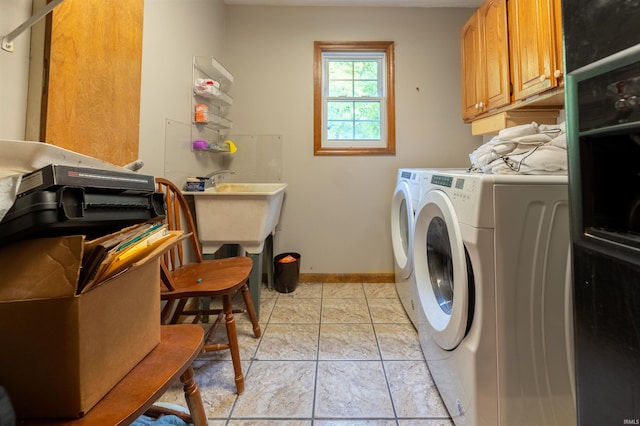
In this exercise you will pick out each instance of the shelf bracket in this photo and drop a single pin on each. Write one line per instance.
(7, 40)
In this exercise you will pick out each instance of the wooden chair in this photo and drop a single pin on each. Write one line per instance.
(217, 278)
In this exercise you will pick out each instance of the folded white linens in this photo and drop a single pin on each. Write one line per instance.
(525, 149)
(518, 131)
(543, 160)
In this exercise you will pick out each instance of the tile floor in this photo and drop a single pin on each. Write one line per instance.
(330, 354)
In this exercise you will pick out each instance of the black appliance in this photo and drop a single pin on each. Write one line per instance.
(63, 200)
(602, 86)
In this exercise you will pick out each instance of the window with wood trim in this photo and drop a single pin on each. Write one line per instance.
(354, 98)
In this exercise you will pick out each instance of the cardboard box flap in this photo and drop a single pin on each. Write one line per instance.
(42, 268)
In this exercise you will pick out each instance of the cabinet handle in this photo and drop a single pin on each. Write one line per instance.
(557, 74)
(477, 106)
(481, 104)
(543, 77)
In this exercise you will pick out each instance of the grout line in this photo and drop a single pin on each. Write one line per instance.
(315, 382)
(384, 369)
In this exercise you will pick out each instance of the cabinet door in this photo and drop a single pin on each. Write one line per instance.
(471, 67)
(558, 73)
(532, 47)
(495, 50)
(93, 57)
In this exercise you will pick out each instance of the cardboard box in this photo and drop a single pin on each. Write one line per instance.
(62, 352)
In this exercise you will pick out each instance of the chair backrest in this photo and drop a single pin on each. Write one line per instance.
(178, 218)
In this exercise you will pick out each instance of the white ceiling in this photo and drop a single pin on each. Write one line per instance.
(383, 3)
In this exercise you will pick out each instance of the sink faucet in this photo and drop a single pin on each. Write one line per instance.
(210, 178)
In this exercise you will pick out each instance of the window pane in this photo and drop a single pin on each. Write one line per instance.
(367, 111)
(365, 70)
(340, 110)
(367, 130)
(340, 88)
(341, 70)
(366, 88)
(339, 130)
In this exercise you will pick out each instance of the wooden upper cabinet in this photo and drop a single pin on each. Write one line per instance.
(533, 47)
(485, 60)
(557, 16)
(493, 21)
(92, 72)
(472, 73)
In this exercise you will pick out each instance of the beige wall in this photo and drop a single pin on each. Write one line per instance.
(174, 31)
(14, 70)
(337, 209)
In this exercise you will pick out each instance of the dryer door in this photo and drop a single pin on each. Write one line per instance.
(441, 270)
(402, 229)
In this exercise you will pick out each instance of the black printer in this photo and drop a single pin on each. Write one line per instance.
(66, 200)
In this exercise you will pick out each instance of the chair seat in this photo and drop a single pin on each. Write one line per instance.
(209, 278)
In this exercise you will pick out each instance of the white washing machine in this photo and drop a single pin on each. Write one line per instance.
(406, 197)
(491, 256)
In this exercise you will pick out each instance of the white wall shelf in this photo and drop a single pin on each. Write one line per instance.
(213, 69)
(215, 98)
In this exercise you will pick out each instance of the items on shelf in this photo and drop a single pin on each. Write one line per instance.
(211, 82)
(206, 87)
(202, 113)
(227, 146)
(200, 145)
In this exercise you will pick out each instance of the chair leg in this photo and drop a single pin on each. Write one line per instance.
(178, 311)
(246, 295)
(166, 311)
(193, 398)
(232, 335)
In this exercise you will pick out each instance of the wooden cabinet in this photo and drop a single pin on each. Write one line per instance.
(559, 45)
(511, 50)
(485, 60)
(87, 94)
(533, 47)
(471, 67)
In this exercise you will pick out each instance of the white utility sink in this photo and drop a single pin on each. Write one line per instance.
(238, 213)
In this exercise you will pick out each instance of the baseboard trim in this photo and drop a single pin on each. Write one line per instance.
(347, 278)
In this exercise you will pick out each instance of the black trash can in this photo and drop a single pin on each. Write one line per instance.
(286, 270)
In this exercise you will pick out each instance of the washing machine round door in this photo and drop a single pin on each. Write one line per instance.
(402, 229)
(441, 270)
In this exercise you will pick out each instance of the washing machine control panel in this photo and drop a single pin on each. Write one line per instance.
(466, 193)
(442, 180)
(459, 188)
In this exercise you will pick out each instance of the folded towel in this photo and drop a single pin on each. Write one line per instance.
(525, 149)
(517, 131)
(560, 141)
(543, 159)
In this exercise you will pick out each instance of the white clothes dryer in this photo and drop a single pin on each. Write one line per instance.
(406, 197)
(490, 259)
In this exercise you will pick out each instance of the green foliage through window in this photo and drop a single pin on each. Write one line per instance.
(353, 120)
(349, 80)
